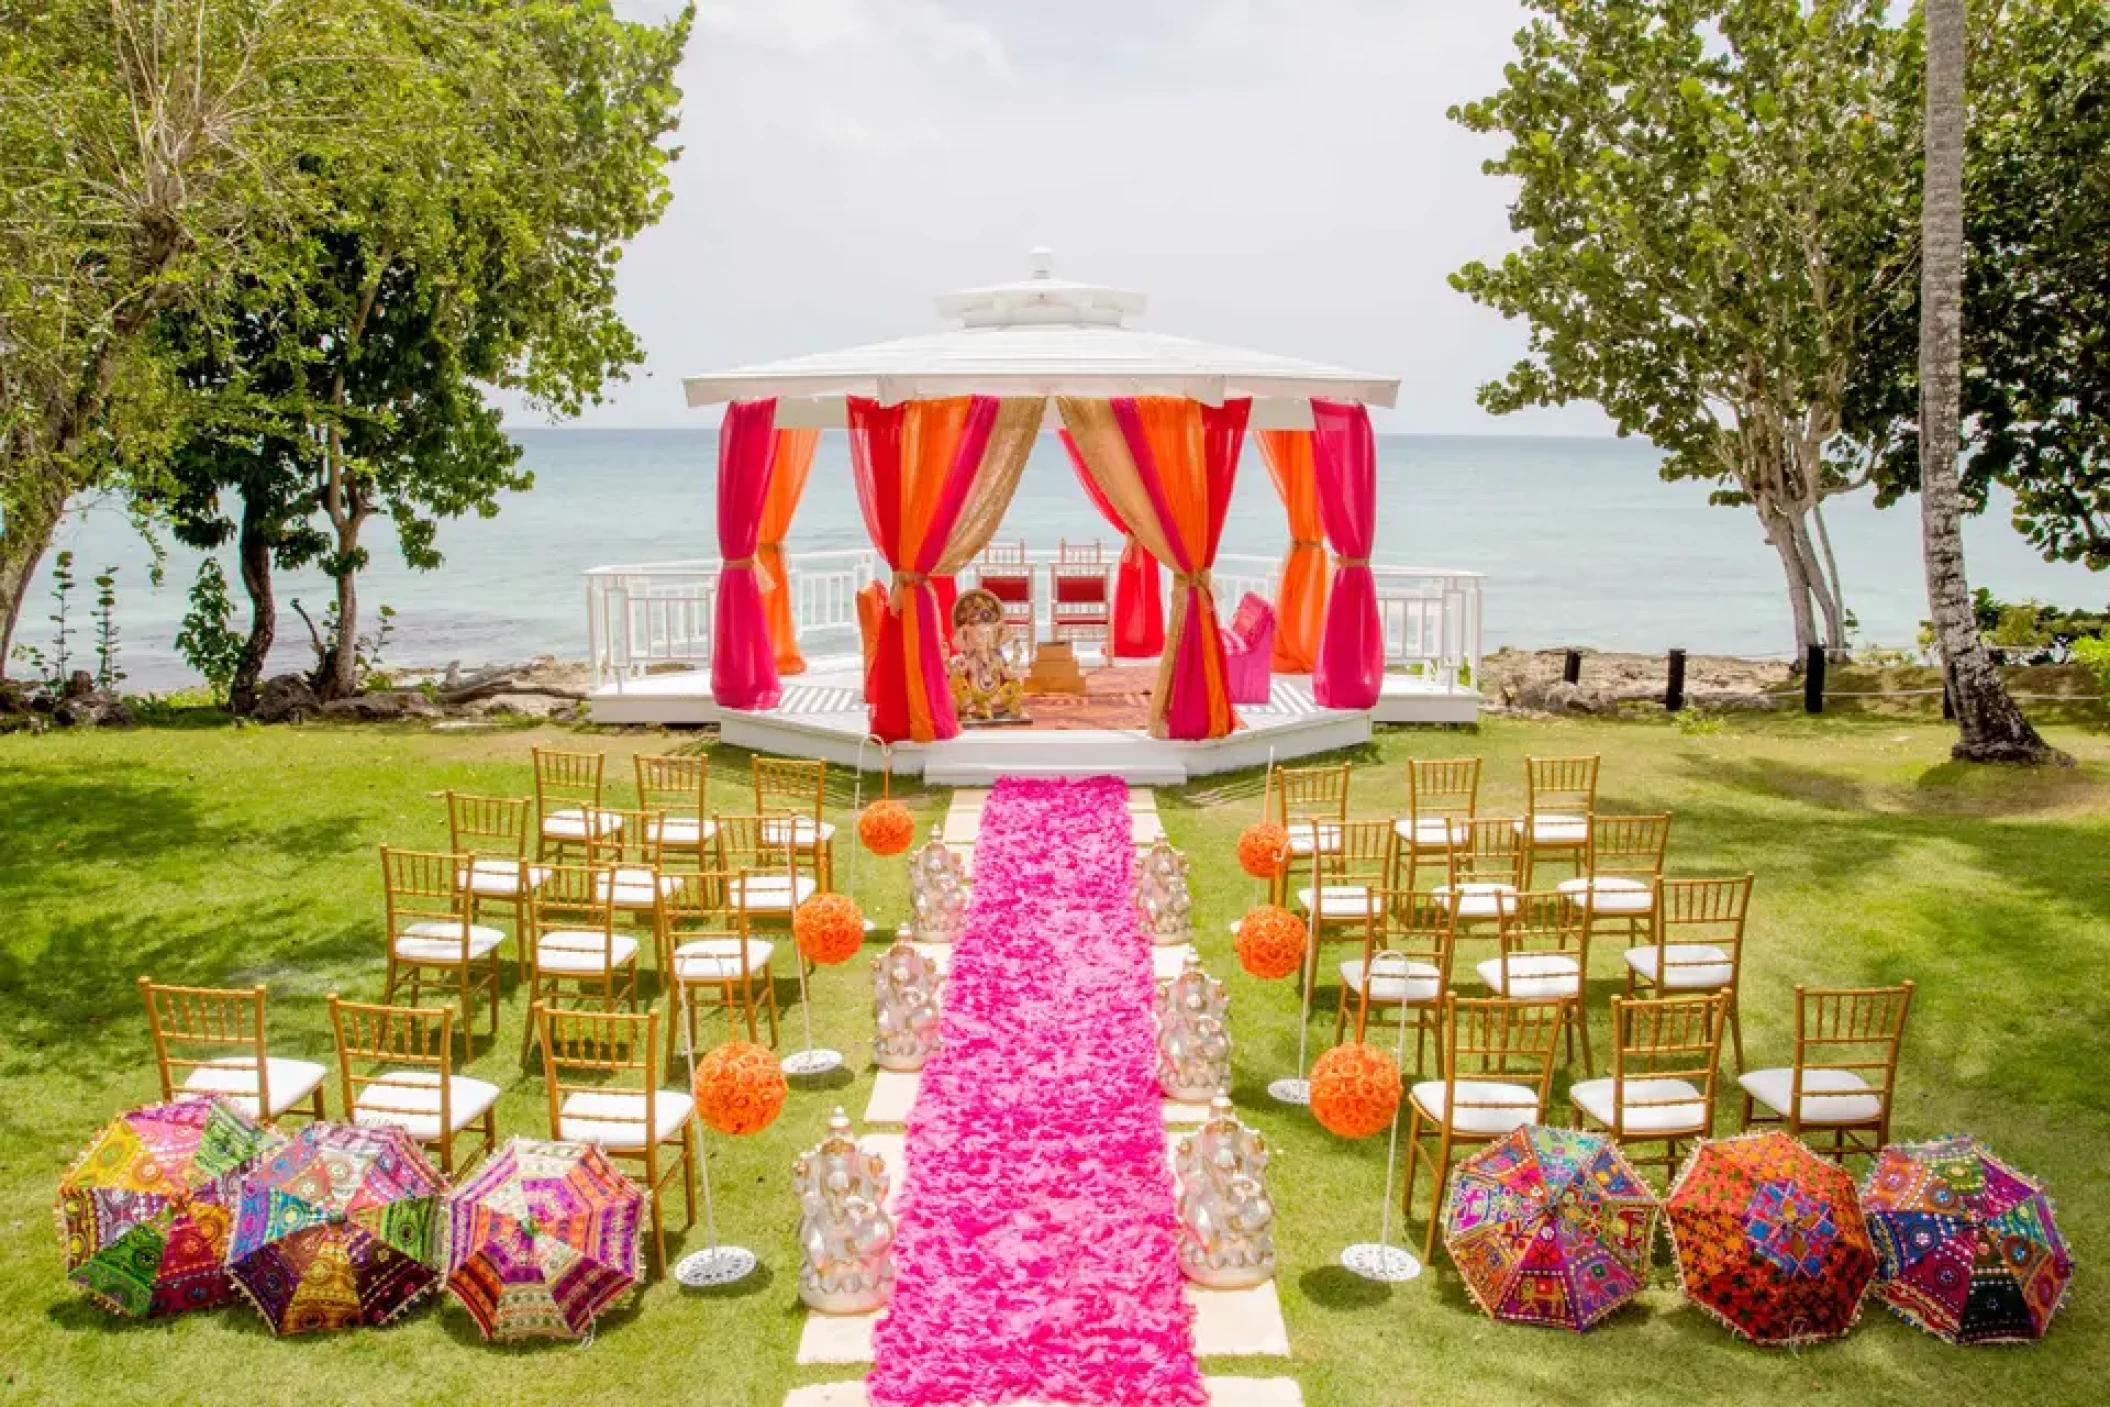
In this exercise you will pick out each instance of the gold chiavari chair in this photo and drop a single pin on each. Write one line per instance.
(705, 946)
(1439, 790)
(602, 1070)
(1560, 797)
(1696, 945)
(414, 1087)
(1845, 1072)
(793, 794)
(575, 953)
(631, 856)
(493, 833)
(190, 1019)
(568, 788)
(1497, 1075)
(677, 786)
(1405, 966)
(1665, 1056)
(1483, 868)
(1311, 804)
(771, 889)
(1618, 883)
(1351, 891)
(433, 942)
(1545, 956)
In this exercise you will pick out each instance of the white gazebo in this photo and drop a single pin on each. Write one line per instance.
(650, 625)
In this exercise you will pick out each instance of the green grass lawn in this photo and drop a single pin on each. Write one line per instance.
(212, 855)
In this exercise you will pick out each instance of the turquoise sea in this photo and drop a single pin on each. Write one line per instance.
(1580, 541)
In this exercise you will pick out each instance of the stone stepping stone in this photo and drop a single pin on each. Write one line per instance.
(1223, 1392)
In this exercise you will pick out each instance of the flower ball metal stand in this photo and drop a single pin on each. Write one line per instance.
(715, 1264)
(1380, 1260)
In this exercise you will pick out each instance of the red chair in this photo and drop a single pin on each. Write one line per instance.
(1249, 646)
(1082, 608)
(1005, 573)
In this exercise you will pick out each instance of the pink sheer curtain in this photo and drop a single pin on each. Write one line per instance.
(743, 658)
(1138, 609)
(1351, 667)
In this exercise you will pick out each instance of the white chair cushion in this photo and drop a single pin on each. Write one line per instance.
(633, 888)
(1395, 978)
(771, 893)
(680, 831)
(1307, 837)
(490, 878)
(1610, 894)
(1692, 965)
(718, 959)
(410, 1100)
(801, 830)
(576, 953)
(616, 1118)
(570, 824)
(1828, 1096)
(1534, 976)
(1339, 901)
(1428, 833)
(1652, 1106)
(1551, 828)
(234, 1077)
(436, 942)
(1502, 1107)
(1481, 898)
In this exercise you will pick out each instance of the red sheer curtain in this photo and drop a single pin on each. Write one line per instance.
(1139, 607)
(1351, 668)
(743, 658)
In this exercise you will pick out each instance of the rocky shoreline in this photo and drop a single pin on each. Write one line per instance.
(1531, 682)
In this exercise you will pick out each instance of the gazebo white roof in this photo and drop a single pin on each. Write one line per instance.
(1041, 336)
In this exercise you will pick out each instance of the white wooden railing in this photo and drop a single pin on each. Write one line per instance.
(658, 615)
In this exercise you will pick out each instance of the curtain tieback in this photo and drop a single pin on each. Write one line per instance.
(1307, 544)
(764, 579)
(904, 583)
(1203, 580)
(1340, 562)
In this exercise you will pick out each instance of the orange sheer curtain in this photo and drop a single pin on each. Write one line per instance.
(1300, 603)
(787, 481)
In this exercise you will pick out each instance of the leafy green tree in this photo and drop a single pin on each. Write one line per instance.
(1707, 192)
(478, 250)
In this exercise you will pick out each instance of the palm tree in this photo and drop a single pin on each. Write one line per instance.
(1990, 727)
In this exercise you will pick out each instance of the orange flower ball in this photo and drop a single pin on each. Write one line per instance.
(886, 827)
(1270, 942)
(829, 928)
(1263, 850)
(739, 1088)
(1355, 1091)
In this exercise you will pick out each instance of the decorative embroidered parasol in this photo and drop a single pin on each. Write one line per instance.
(1550, 1226)
(338, 1229)
(541, 1239)
(1968, 1247)
(1770, 1239)
(145, 1212)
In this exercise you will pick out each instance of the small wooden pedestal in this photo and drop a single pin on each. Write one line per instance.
(1055, 670)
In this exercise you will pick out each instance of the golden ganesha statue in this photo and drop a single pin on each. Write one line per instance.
(985, 687)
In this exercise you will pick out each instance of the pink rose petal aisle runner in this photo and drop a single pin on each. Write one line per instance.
(1036, 1252)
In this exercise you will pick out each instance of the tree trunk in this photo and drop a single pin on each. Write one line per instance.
(340, 674)
(1989, 725)
(1822, 588)
(255, 552)
(22, 544)
(1780, 533)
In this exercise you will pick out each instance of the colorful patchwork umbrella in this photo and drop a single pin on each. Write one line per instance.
(337, 1229)
(145, 1212)
(541, 1239)
(1770, 1239)
(1550, 1226)
(1968, 1247)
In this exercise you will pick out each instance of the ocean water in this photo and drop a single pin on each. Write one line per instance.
(1581, 544)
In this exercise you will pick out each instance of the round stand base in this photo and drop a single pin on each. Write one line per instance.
(1389, 1264)
(720, 1265)
(1290, 1091)
(812, 1062)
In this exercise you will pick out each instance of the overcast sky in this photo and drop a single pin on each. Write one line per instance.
(1275, 174)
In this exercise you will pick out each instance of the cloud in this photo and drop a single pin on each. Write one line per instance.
(807, 27)
(854, 134)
